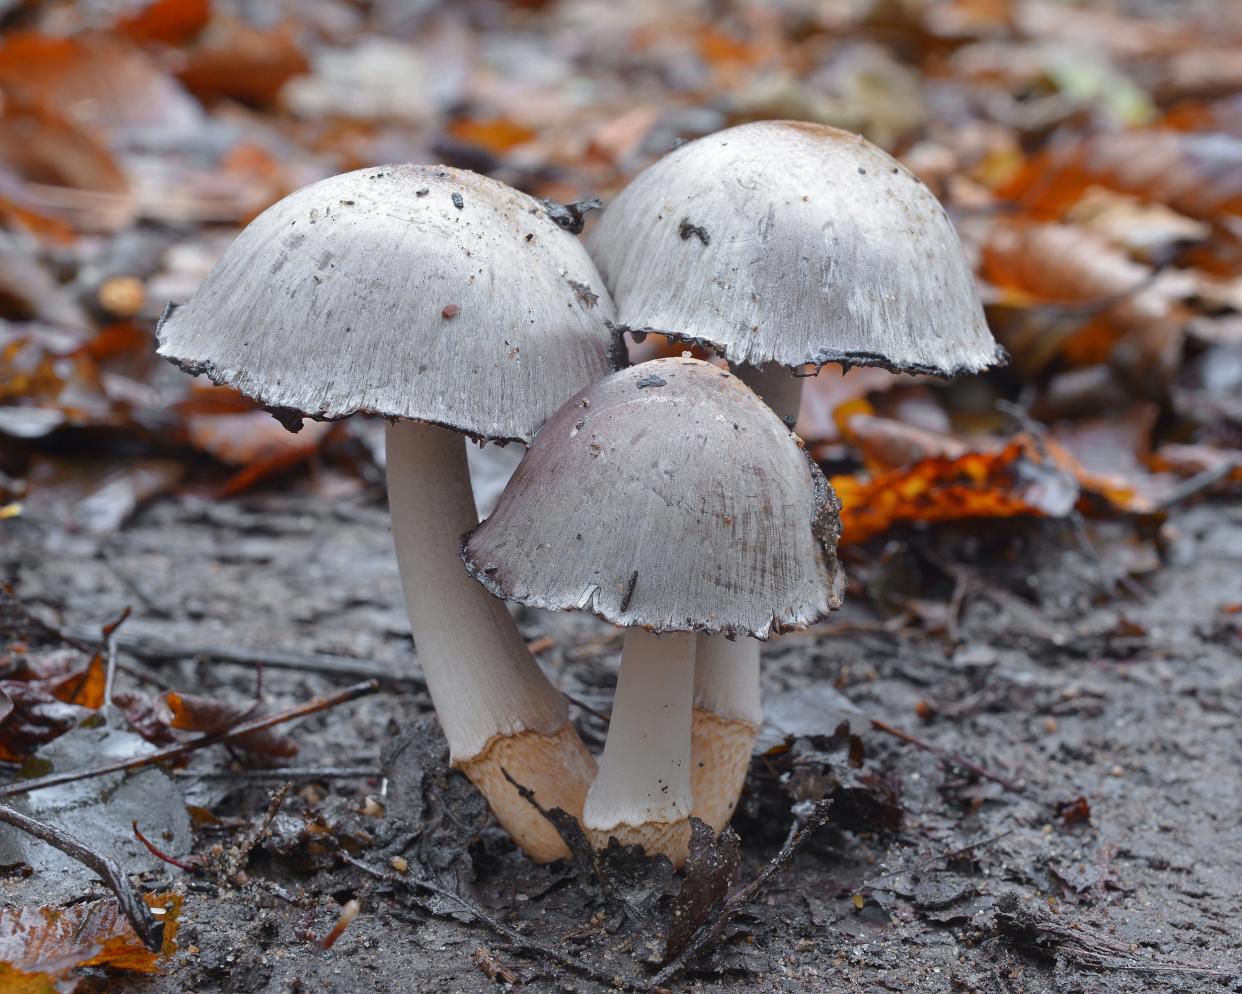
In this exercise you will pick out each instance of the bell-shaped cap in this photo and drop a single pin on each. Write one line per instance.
(667, 496)
(419, 292)
(793, 243)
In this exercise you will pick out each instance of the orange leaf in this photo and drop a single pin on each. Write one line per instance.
(193, 713)
(1016, 480)
(496, 134)
(1124, 317)
(84, 687)
(40, 948)
(1192, 173)
(170, 21)
(244, 63)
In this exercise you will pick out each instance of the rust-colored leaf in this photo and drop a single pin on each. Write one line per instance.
(1192, 173)
(100, 82)
(239, 62)
(886, 443)
(171, 22)
(1098, 304)
(68, 174)
(193, 713)
(1015, 480)
(496, 134)
(41, 948)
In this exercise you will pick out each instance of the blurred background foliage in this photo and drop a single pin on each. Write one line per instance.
(1089, 153)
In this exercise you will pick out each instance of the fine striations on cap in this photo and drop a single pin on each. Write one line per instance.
(420, 292)
(788, 242)
(667, 496)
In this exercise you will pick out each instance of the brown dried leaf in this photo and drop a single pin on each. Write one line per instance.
(496, 134)
(41, 948)
(1103, 306)
(886, 443)
(193, 713)
(67, 173)
(1016, 480)
(101, 83)
(236, 61)
(171, 22)
(1197, 175)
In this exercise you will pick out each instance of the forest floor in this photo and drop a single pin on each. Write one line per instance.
(1110, 709)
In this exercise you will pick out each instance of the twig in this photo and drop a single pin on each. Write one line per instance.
(285, 773)
(134, 908)
(211, 738)
(154, 650)
(108, 648)
(708, 934)
(933, 860)
(519, 943)
(1196, 484)
(160, 854)
(949, 757)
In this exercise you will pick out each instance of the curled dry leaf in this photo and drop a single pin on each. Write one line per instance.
(234, 60)
(1101, 305)
(171, 22)
(47, 697)
(194, 713)
(1015, 480)
(100, 82)
(1195, 174)
(42, 948)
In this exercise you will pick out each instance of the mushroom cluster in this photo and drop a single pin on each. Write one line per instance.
(669, 498)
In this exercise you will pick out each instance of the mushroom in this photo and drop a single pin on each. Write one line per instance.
(669, 499)
(781, 244)
(452, 305)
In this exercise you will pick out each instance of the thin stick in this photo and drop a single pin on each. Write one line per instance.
(518, 942)
(285, 773)
(134, 908)
(108, 648)
(211, 738)
(1196, 484)
(154, 650)
(948, 757)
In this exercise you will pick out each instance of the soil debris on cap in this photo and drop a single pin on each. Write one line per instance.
(688, 231)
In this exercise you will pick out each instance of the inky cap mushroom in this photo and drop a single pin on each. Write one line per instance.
(780, 244)
(434, 297)
(667, 498)
(791, 243)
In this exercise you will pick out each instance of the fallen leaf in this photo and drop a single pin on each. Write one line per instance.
(195, 713)
(172, 22)
(236, 61)
(1016, 480)
(41, 948)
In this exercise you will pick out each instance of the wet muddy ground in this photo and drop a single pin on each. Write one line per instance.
(1106, 692)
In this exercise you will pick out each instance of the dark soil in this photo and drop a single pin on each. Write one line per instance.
(1026, 656)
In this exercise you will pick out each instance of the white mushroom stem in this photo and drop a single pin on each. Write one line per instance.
(642, 793)
(496, 707)
(727, 706)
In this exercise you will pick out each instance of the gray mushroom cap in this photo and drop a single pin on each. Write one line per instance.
(419, 292)
(667, 496)
(788, 242)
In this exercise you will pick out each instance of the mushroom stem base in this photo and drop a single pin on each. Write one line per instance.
(494, 703)
(656, 838)
(554, 767)
(642, 794)
(722, 748)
